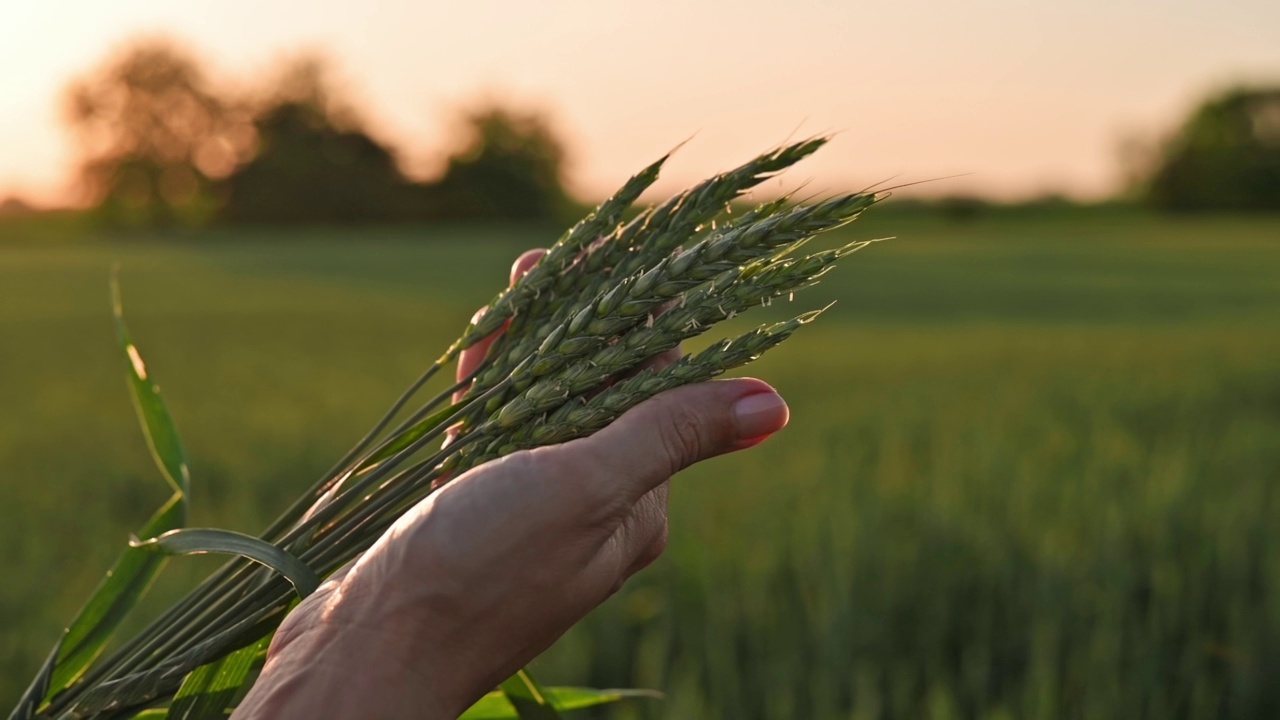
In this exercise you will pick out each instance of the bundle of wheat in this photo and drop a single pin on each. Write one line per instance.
(606, 297)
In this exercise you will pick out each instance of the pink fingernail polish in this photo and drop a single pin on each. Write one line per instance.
(760, 414)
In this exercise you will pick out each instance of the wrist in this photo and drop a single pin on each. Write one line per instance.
(330, 671)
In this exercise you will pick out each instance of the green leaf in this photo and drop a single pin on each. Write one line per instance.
(576, 698)
(528, 698)
(134, 571)
(208, 691)
(115, 596)
(197, 541)
(495, 706)
(157, 425)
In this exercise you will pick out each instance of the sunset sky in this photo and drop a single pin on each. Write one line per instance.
(1029, 96)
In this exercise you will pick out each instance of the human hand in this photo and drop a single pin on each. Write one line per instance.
(486, 573)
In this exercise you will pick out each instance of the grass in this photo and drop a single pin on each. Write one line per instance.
(1032, 469)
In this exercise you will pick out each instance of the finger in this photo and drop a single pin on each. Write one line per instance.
(657, 362)
(471, 358)
(525, 263)
(677, 428)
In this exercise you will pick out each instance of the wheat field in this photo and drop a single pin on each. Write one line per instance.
(1032, 471)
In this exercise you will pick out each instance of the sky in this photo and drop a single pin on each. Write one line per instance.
(1024, 98)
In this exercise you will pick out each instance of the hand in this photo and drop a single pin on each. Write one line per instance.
(486, 573)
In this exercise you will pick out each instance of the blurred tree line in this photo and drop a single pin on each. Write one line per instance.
(1225, 157)
(161, 147)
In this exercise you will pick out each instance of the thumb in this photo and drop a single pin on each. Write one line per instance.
(675, 429)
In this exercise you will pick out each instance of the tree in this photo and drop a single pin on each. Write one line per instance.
(155, 137)
(1225, 157)
(161, 147)
(510, 167)
(315, 163)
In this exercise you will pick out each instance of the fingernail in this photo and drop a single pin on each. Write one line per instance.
(760, 414)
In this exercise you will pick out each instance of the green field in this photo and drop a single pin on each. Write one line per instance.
(1033, 469)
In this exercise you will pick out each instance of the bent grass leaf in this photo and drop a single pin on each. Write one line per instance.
(134, 571)
(208, 691)
(198, 541)
(496, 706)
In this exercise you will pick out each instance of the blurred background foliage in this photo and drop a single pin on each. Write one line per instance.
(155, 138)
(1225, 157)
(162, 147)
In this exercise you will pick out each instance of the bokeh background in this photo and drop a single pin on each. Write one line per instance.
(1034, 461)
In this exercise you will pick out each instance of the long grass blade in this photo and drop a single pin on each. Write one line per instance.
(157, 424)
(134, 571)
(496, 706)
